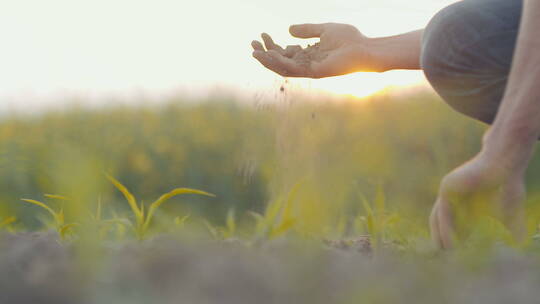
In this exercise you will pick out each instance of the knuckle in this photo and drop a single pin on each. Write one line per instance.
(452, 186)
(459, 185)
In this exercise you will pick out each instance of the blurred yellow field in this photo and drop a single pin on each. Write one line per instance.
(346, 183)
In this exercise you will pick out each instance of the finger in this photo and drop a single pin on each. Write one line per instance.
(434, 227)
(257, 46)
(270, 44)
(307, 30)
(512, 210)
(291, 67)
(282, 65)
(291, 50)
(269, 62)
(446, 226)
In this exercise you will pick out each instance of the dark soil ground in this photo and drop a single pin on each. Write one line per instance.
(38, 268)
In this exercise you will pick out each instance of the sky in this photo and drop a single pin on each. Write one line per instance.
(94, 48)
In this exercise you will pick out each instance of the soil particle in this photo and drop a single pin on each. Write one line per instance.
(310, 54)
(361, 244)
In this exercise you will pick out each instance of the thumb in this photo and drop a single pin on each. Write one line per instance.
(307, 30)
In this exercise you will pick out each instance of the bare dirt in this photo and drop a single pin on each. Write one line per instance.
(37, 268)
(306, 56)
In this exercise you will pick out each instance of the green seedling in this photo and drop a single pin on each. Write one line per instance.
(180, 221)
(377, 222)
(105, 225)
(223, 233)
(278, 218)
(58, 218)
(6, 223)
(143, 218)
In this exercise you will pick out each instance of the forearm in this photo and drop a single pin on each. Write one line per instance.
(514, 133)
(397, 52)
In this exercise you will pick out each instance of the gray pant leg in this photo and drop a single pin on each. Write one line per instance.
(467, 52)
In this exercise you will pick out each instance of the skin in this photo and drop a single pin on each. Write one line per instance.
(342, 50)
(496, 174)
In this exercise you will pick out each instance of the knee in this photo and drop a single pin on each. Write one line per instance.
(458, 33)
(439, 43)
(459, 73)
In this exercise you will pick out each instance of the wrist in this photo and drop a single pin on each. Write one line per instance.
(395, 52)
(367, 56)
(378, 50)
(509, 149)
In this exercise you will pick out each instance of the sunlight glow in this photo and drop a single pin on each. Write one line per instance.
(113, 47)
(364, 84)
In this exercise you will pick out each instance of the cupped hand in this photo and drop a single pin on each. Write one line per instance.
(477, 188)
(342, 50)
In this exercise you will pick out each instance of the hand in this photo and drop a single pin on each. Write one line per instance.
(342, 49)
(479, 186)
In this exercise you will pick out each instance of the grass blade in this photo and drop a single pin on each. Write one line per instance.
(129, 197)
(165, 197)
(98, 211)
(213, 231)
(380, 200)
(370, 216)
(259, 222)
(287, 212)
(283, 228)
(7, 221)
(180, 221)
(65, 229)
(42, 205)
(230, 222)
(272, 211)
(123, 222)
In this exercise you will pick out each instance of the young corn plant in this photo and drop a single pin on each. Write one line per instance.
(223, 233)
(180, 221)
(58, 218)
(278, 218)
(143, 218)
(7, 222)
(489, 231)
(105, 225)
(377, 222)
